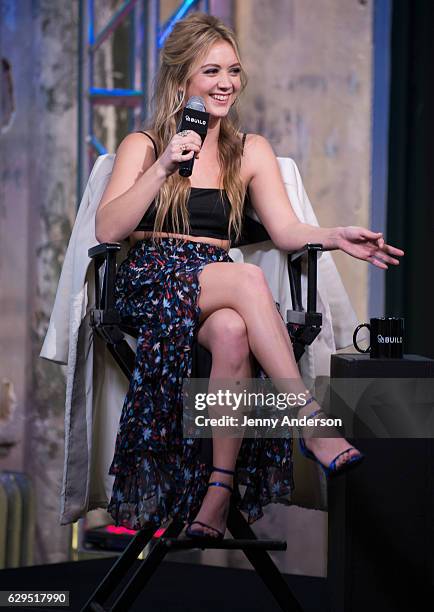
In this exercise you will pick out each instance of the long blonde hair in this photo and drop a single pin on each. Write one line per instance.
(190, 40)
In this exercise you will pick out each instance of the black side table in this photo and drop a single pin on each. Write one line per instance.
(381, 515)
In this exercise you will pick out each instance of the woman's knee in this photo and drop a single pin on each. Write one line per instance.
(226, 335)
(252, 278)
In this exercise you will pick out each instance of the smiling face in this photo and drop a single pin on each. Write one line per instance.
(216, 79)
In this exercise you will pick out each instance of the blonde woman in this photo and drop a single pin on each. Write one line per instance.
(178, 284)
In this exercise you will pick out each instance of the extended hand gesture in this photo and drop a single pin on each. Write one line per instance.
(370, 246)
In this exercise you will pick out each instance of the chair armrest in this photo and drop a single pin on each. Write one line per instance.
(105, 320)
(294, 272)
(105, 253)
(303, 326)
(102, 248)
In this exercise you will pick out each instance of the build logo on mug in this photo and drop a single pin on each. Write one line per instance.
(387, 337)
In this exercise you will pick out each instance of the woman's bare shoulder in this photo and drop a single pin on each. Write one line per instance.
(252, 141)
(256, 149)
(137, 149)
(134, 155)
(146, 133)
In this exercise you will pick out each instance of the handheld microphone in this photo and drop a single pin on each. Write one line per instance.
(194, 118)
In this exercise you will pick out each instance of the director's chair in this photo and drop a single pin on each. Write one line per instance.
(303, 327)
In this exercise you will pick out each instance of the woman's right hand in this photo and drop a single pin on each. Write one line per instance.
(182, 147)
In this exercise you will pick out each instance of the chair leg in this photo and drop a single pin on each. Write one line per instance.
(263, 563)
(239, 528)
(120, 568)
(145, 571)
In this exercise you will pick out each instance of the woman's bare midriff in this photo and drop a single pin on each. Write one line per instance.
(137, 236)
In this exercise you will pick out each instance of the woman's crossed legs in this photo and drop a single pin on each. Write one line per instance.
(239, 317)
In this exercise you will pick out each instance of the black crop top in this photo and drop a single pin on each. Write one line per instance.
(208, 210)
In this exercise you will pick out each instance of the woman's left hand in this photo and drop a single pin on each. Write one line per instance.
(370, 246)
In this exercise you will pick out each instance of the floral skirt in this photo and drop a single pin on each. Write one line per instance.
(159, 474)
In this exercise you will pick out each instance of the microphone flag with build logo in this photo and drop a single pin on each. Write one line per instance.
(194, 118)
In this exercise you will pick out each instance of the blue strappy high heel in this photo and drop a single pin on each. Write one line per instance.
(200, 535)
(332, 469)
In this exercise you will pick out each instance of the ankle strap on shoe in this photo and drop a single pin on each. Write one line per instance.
(224, 471)
(295, 409)
(221, 484)
(313, 414)
(309, 401)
